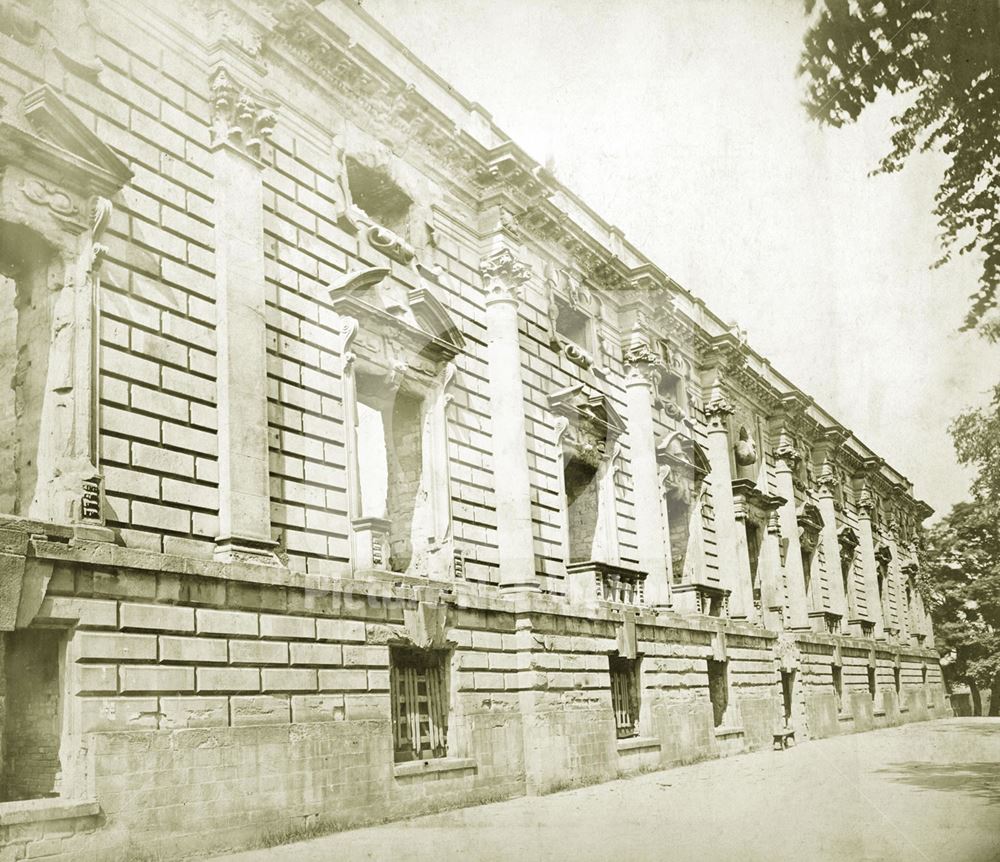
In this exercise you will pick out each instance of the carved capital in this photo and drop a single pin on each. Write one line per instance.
(238, 117)
(787, 453)
(503, 276)
(642, 366)
(717, 411)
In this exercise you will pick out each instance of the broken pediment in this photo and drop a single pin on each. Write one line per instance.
(57, 146)
(411, 317)
(810, 523)
(588, 409)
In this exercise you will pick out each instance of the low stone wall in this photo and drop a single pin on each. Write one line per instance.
(226, 706)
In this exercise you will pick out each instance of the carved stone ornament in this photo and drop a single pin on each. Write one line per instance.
(787, 452)
(70, 35)
(642, 365)
(683, 466)
(589, 425)
(810, 523)
(718, 409)
(883, 554)
(238, 117)
(745, 449)
(503, 276)
(848, 541)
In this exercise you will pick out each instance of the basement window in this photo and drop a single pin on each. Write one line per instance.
(897, 681)
(32, 720)
(838, 685)
(418, 685)
(718, 690)
(625, 690)
(872, 687)
(375, 194)
(788, 694)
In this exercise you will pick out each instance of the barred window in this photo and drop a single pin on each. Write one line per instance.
(418, 682)
(625, 695)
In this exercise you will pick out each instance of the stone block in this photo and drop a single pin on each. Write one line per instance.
(118, 713)
(98, 613)
(96, 679)
(315, 654)
(181, 712)
(362, 706)
(487, 640)
(278, 626)
(340, 630)
(260, 709)
(258, 652)
(193, 650)
(317, 707)
(366, 656)
(168, 618)
(288, 679)
(343, 680)
(226, 622)
(118, 646)
(143, 678)
(236, 679)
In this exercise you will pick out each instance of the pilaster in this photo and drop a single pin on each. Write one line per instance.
(240, 124)
(503, 277)
(866, 552)
(642, 374)
(717, 413)
(786, 457)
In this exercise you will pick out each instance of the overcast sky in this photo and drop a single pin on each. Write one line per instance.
(681, 122)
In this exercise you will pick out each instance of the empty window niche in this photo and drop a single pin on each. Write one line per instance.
(753, 531)
(625, 695)
(573, 324)
(808, 555)
(838, 685)
(390, 471)
(26, 300)
(897, 682)
(374, 193)
(582, 507)
(788, 695)
(679, 526)
(718, 690)
(418, 683)
(31, 712)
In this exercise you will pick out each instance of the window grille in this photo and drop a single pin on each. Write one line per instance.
(418, 685)
(625, 695)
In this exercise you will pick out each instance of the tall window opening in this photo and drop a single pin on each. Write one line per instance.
(807, 562)
(573, 324)
(375, 194)
(679, 521)
(625, 694)
(897, 681)
(872, 687)
(838, 685)
(753, 532)
(788, 694)
(418, 687)
(390, 465)
(25, 338)
(718, 690)
(30, 691)
(582, 503)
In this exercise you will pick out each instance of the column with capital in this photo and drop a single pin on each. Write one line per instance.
(869, 567)
(240, 124)
(642, 372)
(717, 413)
(503, 277)
(786, 457)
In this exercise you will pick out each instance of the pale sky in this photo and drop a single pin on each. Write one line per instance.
(681, 122)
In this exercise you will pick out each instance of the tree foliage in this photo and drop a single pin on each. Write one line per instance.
(976, 434)
(960, 581)
(944, 55)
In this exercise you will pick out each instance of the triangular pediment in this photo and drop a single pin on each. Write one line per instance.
(583, 406)
(62, 147)
(848, 538)
(681, 450)
(413, 316)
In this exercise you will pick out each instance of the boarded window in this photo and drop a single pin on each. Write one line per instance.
(418, 682)
(31, 712)
(718, 690)
(838, 686)
(625, 695)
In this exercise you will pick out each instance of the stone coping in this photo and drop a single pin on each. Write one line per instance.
(38, 810)
(435, 765)
(639, 743)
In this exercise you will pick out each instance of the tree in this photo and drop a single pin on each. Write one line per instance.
(960, 582)
(976, 434)
(944, 56)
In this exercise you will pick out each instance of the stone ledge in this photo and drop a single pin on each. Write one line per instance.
(438, 764)
(639, 743)
(38, 810)
(729, 731)
(845, 716)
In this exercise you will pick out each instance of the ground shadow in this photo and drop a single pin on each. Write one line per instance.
(980, 725)
(978, 778)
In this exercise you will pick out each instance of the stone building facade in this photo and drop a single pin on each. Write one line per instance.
(353, 467)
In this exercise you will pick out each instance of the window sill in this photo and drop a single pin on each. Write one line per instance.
(438, 764)
(39, 810)
(639, 743)
(845, 716)
(879, 713)
(729, 731)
